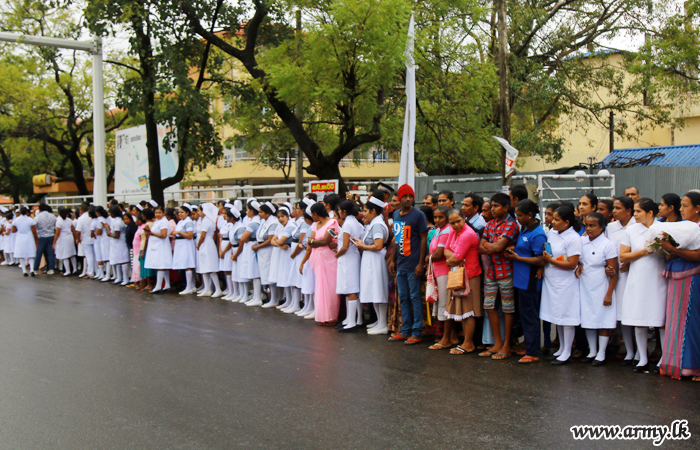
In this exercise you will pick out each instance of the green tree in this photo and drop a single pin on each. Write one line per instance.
(327, 86)
(169, 65)
(62, 116)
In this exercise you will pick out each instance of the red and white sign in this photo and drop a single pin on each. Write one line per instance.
(323, 187)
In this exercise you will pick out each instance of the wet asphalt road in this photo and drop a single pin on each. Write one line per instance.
(86, 365)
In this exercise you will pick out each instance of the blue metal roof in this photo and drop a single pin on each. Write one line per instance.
(671, 156)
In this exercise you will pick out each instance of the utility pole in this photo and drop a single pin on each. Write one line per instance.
(299, 178)
(612, 131)
(504, 84)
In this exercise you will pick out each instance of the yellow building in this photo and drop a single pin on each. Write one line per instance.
(593, 141)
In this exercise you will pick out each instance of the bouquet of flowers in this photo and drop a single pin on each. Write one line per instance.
(655, 244)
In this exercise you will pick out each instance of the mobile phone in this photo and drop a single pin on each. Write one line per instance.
(547, 247)
(333, 233)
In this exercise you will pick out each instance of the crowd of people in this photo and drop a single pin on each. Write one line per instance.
(489, 276)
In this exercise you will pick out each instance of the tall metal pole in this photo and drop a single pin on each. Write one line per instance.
(504, 84)
(299, 178)
(99, 186)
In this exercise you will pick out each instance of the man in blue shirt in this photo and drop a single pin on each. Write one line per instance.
(411, 236)
(471, 210)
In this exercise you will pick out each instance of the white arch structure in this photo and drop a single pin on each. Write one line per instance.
(94, 47)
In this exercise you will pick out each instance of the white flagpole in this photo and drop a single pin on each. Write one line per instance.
(407, 173)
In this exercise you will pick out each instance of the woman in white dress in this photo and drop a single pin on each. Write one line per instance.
(305, 281)
(64, 241)
(374, 274)
(9, 239)
(235, 231)
(26, 240)
(184, 251)
(623, 213)
(248, 266)
(263, 249)
(104, 222)
(598, 310)
(118, 250)
(225, 245)
(283, 249)
(293, 277)
(95, 226)
(159, 252)
(349, 261)
(561, 303)
(644, 303)
(207, 252)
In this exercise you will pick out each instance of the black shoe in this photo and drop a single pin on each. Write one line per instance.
(626, 362)
(585, 360)
(598, 363)
(641, 369)
(655, 370)
(32, 273)
(558, 362)
(26, 274)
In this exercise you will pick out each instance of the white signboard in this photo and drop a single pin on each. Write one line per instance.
(131, 162)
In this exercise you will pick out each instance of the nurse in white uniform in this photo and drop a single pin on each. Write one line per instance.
(207, 252)
(159, 254)
(25, 240)
(104, 241)
(598, 311)
(184, 251)
(248, 262)
(9, 239)
(235, 231)
(64, 241)
(306, 281)
(374, 274)
(284, 248)
(644, 304)
(293, 276)
(225, 262)
(623, 212)
(118, 250)
(561, 304)
(349, 261)
(263, 249)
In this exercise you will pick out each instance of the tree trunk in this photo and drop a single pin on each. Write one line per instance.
(78, 176)
(148, 85)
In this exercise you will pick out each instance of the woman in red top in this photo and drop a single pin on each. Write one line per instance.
(462, 248)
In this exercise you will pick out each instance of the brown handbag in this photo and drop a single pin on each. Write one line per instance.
(455, 279)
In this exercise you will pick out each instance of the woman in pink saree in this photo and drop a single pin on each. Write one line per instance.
(323, 240)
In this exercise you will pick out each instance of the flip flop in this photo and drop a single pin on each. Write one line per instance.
(499, 356)
(487, 354)
(459, 351)
(528, 359)
(437, 346)
(412, 341)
